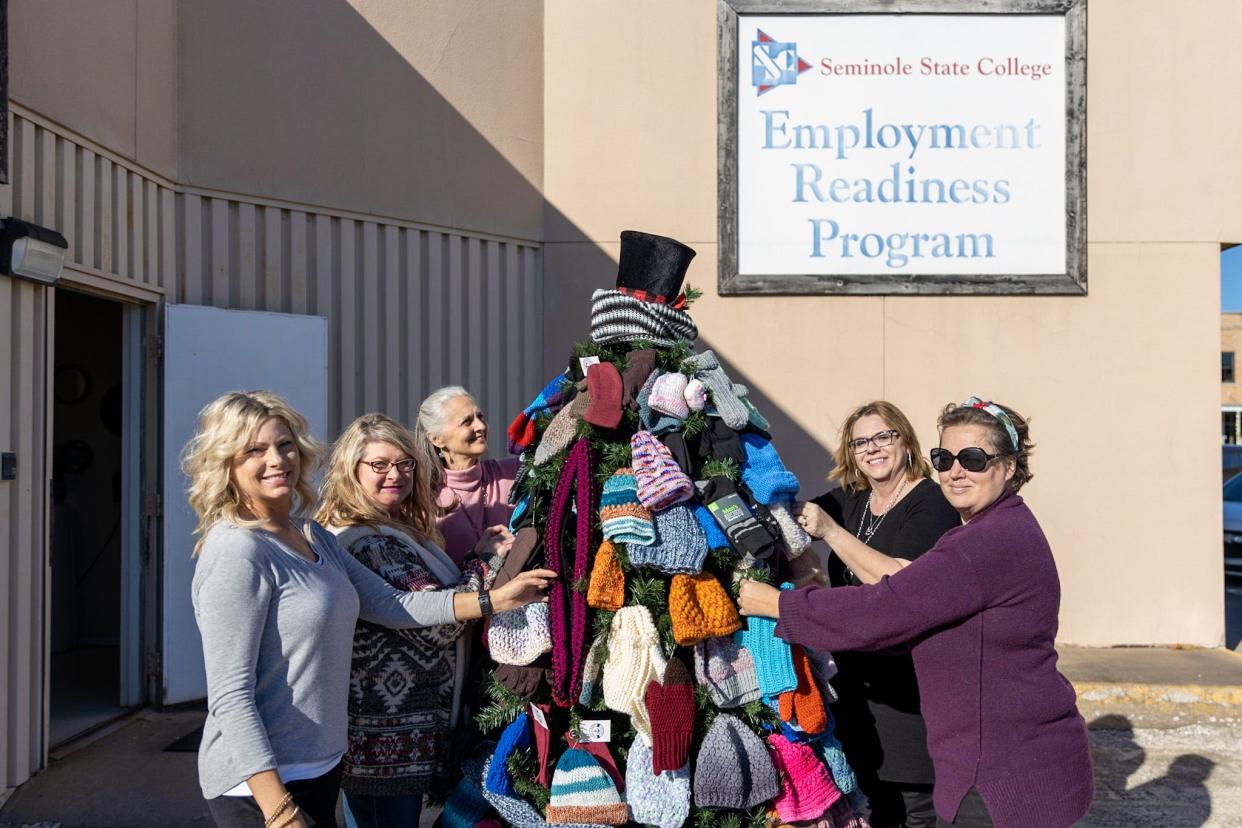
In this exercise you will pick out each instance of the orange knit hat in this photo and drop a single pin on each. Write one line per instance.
(700, 609)
(805, 704)
(607, 588)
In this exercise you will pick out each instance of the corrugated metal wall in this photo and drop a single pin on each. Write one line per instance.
(409, 307)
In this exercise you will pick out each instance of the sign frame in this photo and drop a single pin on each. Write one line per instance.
(729, 282)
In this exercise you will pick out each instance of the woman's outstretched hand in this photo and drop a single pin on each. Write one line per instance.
(814, 520)
(525, 588)
(496, 542)
(760, 599)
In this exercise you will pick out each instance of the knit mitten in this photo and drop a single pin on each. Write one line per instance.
(560, 432)
(720, 388)
(607, 588)
(773, 660)
(680, 544)
(757, 421)
(517, 736)
(583, 793)
(695, 395)
(804, 704)
(829, 749)
(543, 742)
(604, 386)
(624, 519)
(700, 609)
(659, 799)
(733, 769)
(521, 431)
(735, 518)
(719, 442)
(764, 473)
(639, 365)
(670, 707)
(523, 681)
(660, 482)
(668, 395)
(675, 442)
(634, 660)
(807, 789)
(795, 537)
(715, 538)
(727, 670)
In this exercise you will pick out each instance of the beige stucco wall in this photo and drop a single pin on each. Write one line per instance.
(1121, 385)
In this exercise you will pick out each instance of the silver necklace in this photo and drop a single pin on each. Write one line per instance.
(869, 524)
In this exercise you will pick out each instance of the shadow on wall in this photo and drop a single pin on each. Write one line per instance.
(1179, 797)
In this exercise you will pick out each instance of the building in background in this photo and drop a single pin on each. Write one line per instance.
(1230, 389)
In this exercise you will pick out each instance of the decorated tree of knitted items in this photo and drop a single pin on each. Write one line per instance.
(619, 502)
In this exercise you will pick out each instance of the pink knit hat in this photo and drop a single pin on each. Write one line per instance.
(807, 789)
(661, 482)
(668, 395)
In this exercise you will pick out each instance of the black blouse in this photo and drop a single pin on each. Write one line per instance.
(877, 716)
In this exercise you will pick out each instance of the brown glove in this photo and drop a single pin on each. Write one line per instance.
(525, 542)
(524, 681)
(640, 364)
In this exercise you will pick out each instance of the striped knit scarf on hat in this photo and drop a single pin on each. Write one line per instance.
(616, 317)
(566, 606)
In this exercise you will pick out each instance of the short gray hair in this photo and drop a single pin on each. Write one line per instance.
(431, 411)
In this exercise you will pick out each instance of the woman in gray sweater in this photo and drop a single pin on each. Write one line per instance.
(276, 601)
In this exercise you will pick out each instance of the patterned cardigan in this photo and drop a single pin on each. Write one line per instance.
(404, 685)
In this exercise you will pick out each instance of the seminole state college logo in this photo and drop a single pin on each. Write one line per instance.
(774, 64)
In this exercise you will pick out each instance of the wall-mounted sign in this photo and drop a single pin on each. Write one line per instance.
(939, 151)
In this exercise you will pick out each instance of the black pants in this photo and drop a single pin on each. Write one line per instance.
(972, 813)
(897, 805)
(315, 798)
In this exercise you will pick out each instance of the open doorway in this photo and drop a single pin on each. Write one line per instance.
(94, 596)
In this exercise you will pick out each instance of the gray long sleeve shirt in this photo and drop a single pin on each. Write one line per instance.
(277, 634)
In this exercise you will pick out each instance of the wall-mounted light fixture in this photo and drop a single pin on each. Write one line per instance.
(29, 251)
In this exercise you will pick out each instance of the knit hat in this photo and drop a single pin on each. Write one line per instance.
(607, 588)
(582, 792)
(803, 704)
(649, 418)
(616, 317)
(700, 609)
(715, 538)
(733, 768)
(727, 670)
(830, 750)
(516, 736)
(512, 809)
(670, 707)
(720, 388)
(465, 805)
(602, 755)
(519, 636)
(659, 799)
(634, 660)
(560, 432)
(522, 430)
(807, 789)
(604, 386)
(639, 365)
(660, 482)
(773, 660)
(668, 395)
(764, 473)
(695, 395)
(795, 537)
(680, 544)
(624, 518)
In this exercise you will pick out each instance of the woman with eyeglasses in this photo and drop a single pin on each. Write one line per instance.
(979, 612)
(405, 686)
(885, 514)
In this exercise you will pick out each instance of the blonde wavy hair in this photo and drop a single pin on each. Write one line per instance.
(847, 472)
(225, 428)
(343, 501)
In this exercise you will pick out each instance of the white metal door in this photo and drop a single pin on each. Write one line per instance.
(207, 352)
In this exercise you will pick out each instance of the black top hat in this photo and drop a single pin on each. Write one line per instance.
(655, 265)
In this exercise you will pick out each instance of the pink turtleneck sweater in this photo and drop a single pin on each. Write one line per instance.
(474, 499)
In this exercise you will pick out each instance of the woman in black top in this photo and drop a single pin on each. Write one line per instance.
(886, 513)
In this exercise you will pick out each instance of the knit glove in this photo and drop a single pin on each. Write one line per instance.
(773, 660)
(734, 517)
(639, 365)
(719, 442)
(516, 736)
(675, 442)
(523, 680)
(525, 542)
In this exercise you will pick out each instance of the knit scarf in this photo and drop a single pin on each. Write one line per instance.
(567, 607)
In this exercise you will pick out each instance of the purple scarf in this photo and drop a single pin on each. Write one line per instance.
(569, 633)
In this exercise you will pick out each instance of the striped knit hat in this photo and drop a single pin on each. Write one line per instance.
(680, 544)
(582, 792)
(661, 482)
(512, 809)
(616, 317)
(624, 518)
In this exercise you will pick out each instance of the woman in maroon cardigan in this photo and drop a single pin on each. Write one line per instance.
(979, 611)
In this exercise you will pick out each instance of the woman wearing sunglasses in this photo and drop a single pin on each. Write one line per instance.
(885, 514)
(979, 612)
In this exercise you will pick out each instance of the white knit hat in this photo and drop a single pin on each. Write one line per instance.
(660, 799)
(519, 636)
(635, 659)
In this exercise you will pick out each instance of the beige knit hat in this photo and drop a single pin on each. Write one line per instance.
(635, 658)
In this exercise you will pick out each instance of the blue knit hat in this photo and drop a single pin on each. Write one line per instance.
(680, 544)
(624, 519)
(716, 539)
(517, 736)
(764, 473)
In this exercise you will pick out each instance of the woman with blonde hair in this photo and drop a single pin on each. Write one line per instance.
(276, 601)
(885, 514)
(405, 685)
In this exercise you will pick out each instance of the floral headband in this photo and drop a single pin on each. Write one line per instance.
(997, 412)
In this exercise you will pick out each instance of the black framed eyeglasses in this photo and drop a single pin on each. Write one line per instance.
(880, 439)
(973, 459)
(382, 466)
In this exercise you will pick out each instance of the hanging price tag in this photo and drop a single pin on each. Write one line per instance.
(537, 715)
(595, 730)
(586, 362)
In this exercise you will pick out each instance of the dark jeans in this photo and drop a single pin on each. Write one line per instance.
(315, 798)
(898, 805)
(363, 811)
(972, 813)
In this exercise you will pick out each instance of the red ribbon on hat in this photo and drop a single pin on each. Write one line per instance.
(677, 304)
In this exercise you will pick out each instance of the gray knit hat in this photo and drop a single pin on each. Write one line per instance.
(660, 799)
(726, 669)
(733, 769)
(680, 544)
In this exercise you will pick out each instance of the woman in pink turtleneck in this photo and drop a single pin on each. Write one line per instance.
(472, 492)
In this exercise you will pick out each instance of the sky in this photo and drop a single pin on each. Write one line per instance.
(1231, 279)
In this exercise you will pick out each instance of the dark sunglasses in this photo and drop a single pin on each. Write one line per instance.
(973, 459)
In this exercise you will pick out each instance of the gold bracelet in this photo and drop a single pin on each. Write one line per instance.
(280, 809)
(292, 818)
